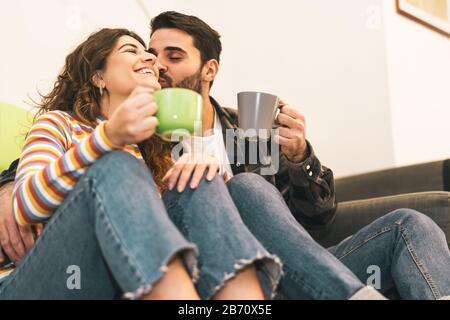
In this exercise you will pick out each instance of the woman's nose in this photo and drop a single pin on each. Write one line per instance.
(149, 57)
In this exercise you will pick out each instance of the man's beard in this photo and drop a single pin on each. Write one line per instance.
(193, 82)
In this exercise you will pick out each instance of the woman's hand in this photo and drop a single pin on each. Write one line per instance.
(191, 165)
(133, 121)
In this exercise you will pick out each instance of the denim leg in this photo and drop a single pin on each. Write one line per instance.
(310, 271)
(408, 249)
(113, 227)
(208, 217)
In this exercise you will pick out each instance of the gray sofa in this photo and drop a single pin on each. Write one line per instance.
(366, 197)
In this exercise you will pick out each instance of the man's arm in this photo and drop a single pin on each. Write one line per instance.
(6, 216)
(9, 174)
(15, 241)
(308, 188)
(311, 185)
(306, 185)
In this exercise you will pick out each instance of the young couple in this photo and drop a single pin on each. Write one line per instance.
(179, 230)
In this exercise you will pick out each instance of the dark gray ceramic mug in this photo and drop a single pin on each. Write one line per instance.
(257, 113)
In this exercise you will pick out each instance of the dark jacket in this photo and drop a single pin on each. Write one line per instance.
(9, 174)
(307, 187)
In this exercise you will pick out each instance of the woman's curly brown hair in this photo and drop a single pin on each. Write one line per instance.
(75, 92)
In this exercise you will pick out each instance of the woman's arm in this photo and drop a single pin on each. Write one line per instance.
(49, 167)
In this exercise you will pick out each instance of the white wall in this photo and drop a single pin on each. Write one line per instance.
(37, 35)
(326, 57)
(419, 81)
(351, 75)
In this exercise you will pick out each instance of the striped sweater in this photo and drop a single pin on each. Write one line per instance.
(57, 152)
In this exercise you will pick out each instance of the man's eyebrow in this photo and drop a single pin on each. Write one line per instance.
(128, 44)
(178, 49)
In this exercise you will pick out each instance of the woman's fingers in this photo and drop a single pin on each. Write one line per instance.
(167, 175)
(186, 174)
(147, 110)
(191, 169)
(213, 169)
(146, 128)
(176, 171)
(198, 174)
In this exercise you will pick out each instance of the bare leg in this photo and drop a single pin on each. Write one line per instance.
(244, 286)
(174, 285)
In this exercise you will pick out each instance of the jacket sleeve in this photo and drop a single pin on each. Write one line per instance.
(9, 174)
(308, 188)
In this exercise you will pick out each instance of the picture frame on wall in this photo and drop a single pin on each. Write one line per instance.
(434, 14)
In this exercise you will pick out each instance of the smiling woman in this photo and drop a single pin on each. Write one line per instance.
(130, 66)
(109, 76)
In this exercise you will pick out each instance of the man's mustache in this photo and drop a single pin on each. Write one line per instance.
(167, 79)
(193, 82)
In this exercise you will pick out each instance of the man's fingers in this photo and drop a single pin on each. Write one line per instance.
(287, 133)
(16, 239)
(281, 103)
(6, 243)
(27, 237)
(11, 253)
(287, 121)
(282, 141)
(292, 112)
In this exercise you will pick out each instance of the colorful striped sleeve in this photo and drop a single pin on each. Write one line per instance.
(50, 166)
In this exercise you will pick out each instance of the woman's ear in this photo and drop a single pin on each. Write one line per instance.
(97, 80)
(210, 70)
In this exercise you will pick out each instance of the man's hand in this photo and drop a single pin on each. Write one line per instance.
(291, 135)
(191, 165)
(15, 240)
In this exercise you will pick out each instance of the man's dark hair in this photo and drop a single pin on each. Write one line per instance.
(206, 39)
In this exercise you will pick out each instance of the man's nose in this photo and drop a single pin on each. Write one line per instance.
(162, 68)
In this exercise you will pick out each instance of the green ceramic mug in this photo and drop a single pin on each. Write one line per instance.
(179, 112)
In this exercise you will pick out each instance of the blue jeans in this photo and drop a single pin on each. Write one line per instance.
(114, 234)
(310, 271)
(409, 249)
